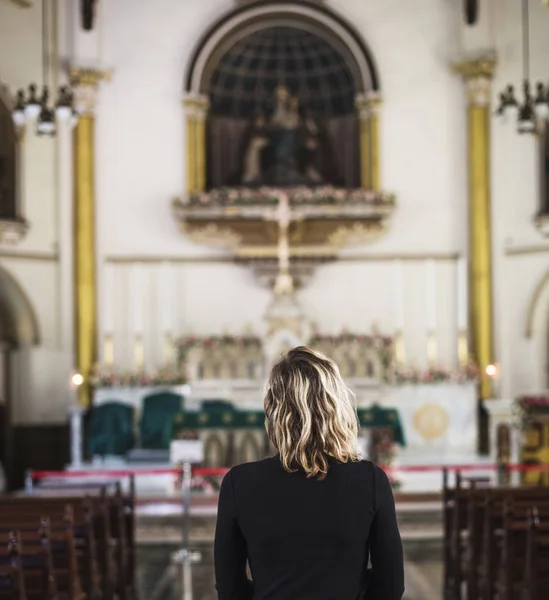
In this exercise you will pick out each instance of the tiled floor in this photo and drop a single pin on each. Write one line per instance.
(158, 580)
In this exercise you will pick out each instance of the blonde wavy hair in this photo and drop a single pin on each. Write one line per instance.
(310, 414)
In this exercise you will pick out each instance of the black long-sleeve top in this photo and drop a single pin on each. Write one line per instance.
(307, 539)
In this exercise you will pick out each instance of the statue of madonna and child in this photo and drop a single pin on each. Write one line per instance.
(288, 149)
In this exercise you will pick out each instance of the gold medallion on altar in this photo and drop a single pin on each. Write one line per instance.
(431, 421)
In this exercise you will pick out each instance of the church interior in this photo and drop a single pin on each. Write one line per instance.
(188, 190)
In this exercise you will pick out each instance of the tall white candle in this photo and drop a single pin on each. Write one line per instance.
(399, 294)
(462, 294)
(137, 299)
(108, 299)
(167, 300)
(431, 287)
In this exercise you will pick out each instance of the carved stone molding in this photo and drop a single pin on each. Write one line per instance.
(12, 232)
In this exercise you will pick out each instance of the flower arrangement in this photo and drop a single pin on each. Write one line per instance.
(404, 375)
(216, 342)
(244, 196)
(373, 340)
(525, 406)
(106, 377)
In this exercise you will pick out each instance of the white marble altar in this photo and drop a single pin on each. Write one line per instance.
(439, 419)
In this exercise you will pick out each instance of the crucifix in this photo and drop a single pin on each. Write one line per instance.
(284, 284)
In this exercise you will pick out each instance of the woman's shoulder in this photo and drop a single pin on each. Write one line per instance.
(253, 468)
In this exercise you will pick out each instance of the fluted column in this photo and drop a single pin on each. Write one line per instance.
(85, 83)
(477, 75)
(368, 109)
(364, 124)
(196, 111)
(374, 107)
(202, 105)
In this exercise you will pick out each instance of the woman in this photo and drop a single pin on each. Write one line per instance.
(308, 520)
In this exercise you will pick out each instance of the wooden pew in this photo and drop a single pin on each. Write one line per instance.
(36, 566)
(486, 538)
(75, 517)
(537, 557)
(12, 583)
(103, 527)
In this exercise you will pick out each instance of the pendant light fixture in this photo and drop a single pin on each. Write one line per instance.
(533, 106)
(30, 107)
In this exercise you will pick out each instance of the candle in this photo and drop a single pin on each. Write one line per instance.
(108, 295)
(462, 294)
(430, 267)
(167, 300)
(137, 299)
(399, 294)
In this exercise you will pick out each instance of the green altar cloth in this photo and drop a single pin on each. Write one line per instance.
(111, 429)
(216, 414)
(220, 414)
(376, 417)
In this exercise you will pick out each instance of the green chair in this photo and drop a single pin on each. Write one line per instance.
(157, 419)
(111, 429)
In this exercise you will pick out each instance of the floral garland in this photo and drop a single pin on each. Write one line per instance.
(107, 377)
(403, 375)
(215, 342)
(243, 196)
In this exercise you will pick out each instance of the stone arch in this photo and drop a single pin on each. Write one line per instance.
(18, 322)
(242, 21)
(18, 329)
(537, 329)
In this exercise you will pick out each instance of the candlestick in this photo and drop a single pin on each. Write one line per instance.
(108, 351)
(463, 348)
(462, 295)
(432, 351)
(167, 300)
(431, 287)
(139, 353)
(400, 349)
(399, 294)
(108, 296)
(169, 350)
(137, 298)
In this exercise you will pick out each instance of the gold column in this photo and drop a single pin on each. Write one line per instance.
(374, 108)
(190, 105)
(361, 104)
(202, 105)
(477, 75)
(85, 83)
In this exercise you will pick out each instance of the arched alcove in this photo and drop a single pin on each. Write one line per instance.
(243, 21)
(292, 67)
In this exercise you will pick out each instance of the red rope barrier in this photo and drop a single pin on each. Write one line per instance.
(210, 472)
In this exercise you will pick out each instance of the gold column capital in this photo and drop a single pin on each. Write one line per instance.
(477, 73)
(196, 105)
(85, 84)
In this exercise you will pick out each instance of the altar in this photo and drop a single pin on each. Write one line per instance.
(437, 418)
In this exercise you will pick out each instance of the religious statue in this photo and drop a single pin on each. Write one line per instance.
(287, 149)
(252, 158)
